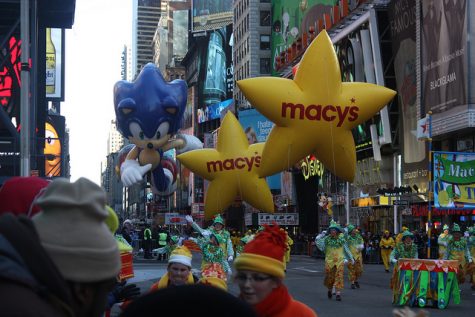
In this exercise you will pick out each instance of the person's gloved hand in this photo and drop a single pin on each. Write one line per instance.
(124, 292)
(230, 258)
(394, 261)
(189, 218)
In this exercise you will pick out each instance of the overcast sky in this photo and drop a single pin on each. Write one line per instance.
(93, 51)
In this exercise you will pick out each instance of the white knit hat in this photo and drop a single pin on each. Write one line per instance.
(72, 229)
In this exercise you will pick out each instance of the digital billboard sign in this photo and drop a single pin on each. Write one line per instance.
(257, 129)
(211, 14)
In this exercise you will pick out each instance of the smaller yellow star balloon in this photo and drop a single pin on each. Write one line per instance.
(232, 169)
(314, 112)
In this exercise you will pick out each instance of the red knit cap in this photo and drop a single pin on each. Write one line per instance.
(265, 253)
(18, 193)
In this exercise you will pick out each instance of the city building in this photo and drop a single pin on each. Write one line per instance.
(146, 14)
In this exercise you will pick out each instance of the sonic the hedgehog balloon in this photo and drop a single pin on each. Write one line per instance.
(149, 112)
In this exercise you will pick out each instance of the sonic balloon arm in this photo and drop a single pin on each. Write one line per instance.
(133, 154)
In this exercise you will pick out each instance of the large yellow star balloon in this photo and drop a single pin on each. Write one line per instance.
(232, 169)
(314, 112)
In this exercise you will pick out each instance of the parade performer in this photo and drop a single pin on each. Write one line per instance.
(260, 276)
(213, 261)
(178, 270)
(172, 243)
(386, 245)
(471, 248)
(457, 249)
(355, 243)
(222, 234)
(336, 254)
(443, 241)
(405, 249)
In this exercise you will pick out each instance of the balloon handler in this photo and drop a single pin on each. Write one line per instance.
(149, 112)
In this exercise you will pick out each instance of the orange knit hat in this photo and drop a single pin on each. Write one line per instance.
(265, 253)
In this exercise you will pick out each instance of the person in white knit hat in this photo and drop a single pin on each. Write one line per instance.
(63, 261)
(72, 229)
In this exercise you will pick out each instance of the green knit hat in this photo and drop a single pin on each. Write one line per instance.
(407, 233)
(334, 225)
(218, 219)
(456, 228)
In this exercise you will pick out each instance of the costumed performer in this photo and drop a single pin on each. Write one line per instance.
(260, 273)
(224, 238)
(386, 245)
(337, 254)
(355, 243)
(172, 243)
(443, 241)
(213, 256)
(457, 249)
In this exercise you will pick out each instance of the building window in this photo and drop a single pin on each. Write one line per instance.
(265, 42)
(264, 18)
(265, 66)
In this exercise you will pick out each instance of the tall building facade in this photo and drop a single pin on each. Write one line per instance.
(146, 14)
(252, 43)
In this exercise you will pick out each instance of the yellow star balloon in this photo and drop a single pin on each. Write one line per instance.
(314, 112)
(232, 169)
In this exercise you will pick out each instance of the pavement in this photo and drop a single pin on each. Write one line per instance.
(305, 283)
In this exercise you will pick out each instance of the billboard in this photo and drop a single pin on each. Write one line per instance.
(215, 73)
(10, 81)
(454, 180)
(402, 19)
(211, 14)
(54, 144)
(257, 128)
(444, 57)
(212, 111)
(291, 18)
(55, 64)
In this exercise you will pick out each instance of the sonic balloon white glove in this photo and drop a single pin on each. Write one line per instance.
(132, 172)
(191, 143)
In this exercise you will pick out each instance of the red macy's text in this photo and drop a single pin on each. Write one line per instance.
(236, 163)
(319, 112)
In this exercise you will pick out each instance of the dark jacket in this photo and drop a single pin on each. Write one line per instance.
(30, 283)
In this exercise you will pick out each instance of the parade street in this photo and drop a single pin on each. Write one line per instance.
(305, 282)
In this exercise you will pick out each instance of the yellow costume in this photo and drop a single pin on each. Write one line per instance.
(336, 252)
(355, 244)
(386, 245)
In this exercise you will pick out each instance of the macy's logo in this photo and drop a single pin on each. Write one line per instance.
(231, 164)
(319, 112)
